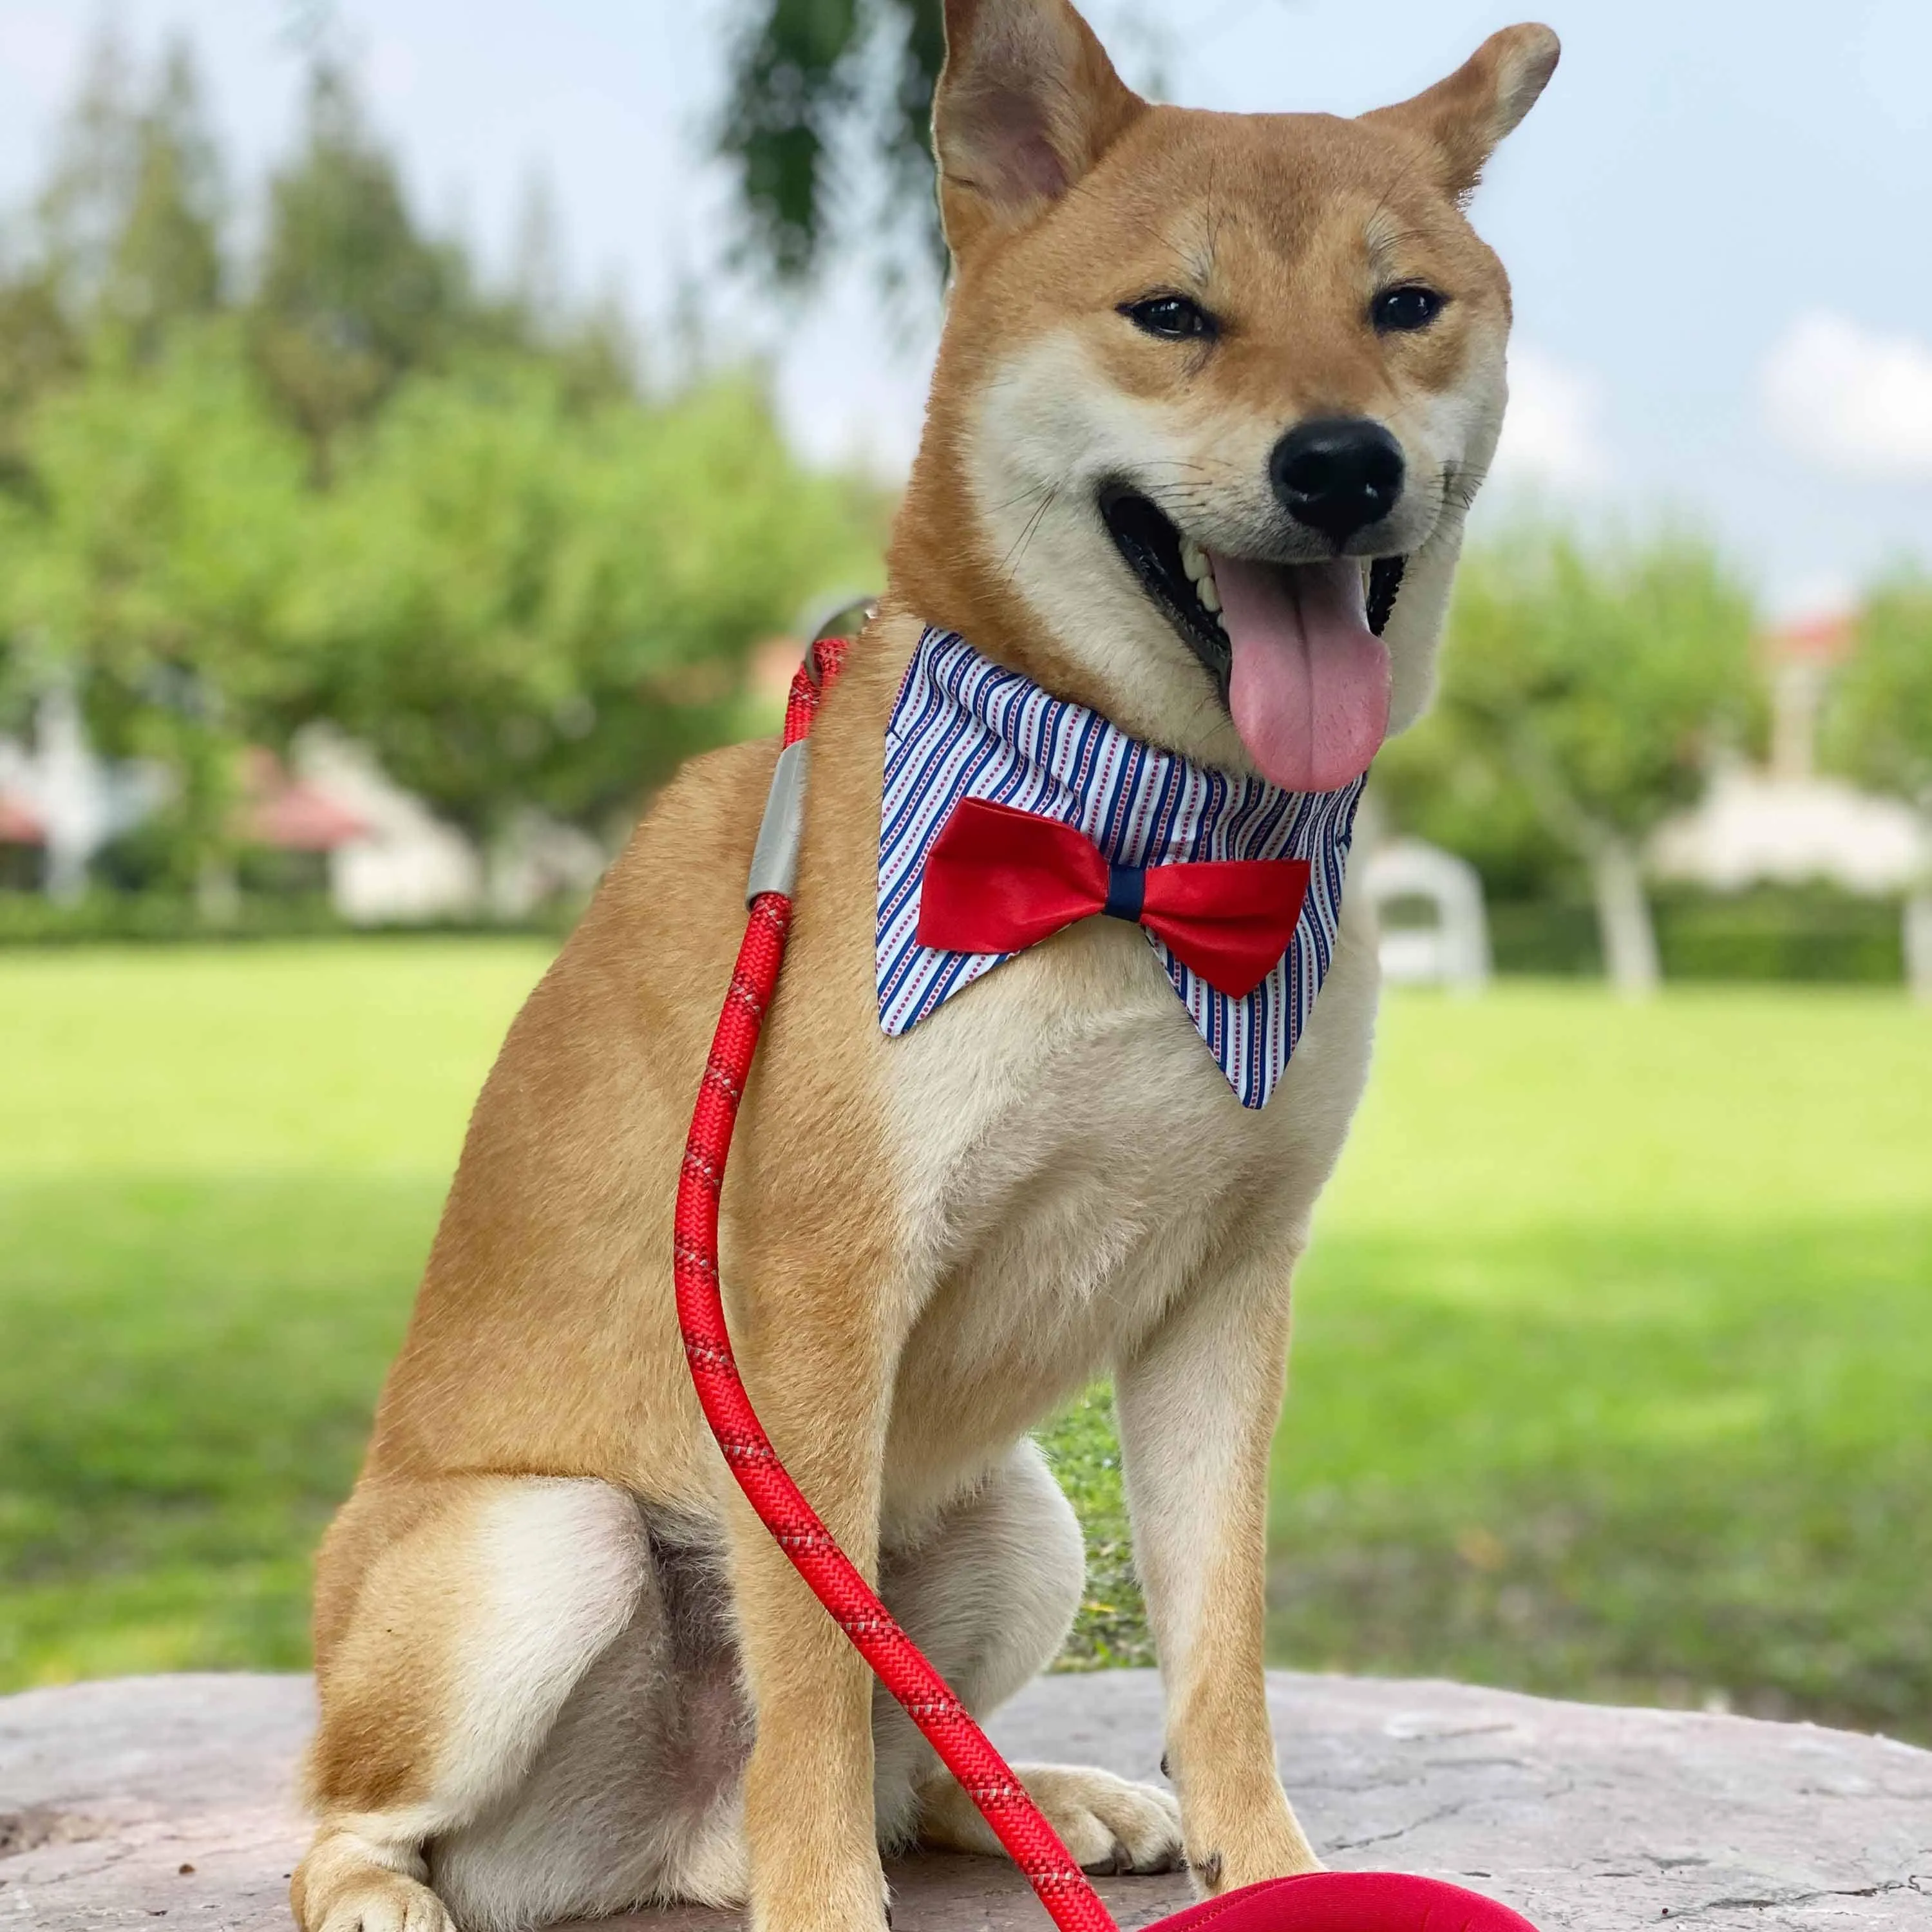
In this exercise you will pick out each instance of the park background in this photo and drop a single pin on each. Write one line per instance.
(420, 427)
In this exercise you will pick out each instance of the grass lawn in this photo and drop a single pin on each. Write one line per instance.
(219, 1173)
(1613, 1374)
(1613, 1367)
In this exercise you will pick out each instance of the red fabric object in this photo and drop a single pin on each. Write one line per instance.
(19, 824)
(999, 880)
(300, 818)
(1347, 1902)
(1323, 1902)
(289, 813)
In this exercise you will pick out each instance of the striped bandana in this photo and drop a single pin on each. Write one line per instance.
(965, 727)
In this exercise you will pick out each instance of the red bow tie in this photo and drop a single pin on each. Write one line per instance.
(998, 880)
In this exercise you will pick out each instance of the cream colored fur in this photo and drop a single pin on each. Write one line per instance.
(563, 1670)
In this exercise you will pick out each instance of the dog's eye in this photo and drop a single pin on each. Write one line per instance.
(1411, 307)
(1173, 318)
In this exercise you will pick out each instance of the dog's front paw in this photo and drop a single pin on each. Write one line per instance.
(390, 1903)
(1108, 1824)
(850, 1902)
(1263, 1855)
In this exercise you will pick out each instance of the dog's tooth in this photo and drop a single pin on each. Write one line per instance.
(1209, 592)
(1193, 559)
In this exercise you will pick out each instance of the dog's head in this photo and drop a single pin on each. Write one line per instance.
(1214, 394)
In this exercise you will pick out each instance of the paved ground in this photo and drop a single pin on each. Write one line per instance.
(122, 1803)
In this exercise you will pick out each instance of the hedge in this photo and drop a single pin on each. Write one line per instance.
(1811, 933)
(1800, 933)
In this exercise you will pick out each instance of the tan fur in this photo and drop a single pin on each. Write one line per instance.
(548, 1630)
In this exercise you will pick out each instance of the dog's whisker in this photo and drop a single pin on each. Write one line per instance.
(1029, 494)
(1010, 565)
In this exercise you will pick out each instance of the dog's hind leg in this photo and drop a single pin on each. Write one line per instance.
(636, 1796)
(454, 1618)
(989, 1593)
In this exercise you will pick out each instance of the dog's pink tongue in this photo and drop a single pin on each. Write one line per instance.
(1310, 683)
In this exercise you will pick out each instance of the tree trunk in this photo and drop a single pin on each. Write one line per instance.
(1918, 944)
(217, 893)
(1623, 919)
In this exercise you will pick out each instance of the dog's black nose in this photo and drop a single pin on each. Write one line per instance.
(1338, 474)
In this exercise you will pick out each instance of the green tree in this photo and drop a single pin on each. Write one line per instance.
(810, 79)
(525, 583)
(123, 239)
(39, 349)
(519, 601)
(1878, 727)
(130, 220)
(1582, 691)
(1879, 724)
(592, 347)
(166, 263)
(827, 97)
(351, 295)
(83, 202)
(146, 565)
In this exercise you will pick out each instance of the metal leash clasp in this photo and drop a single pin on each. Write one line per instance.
(775, 857)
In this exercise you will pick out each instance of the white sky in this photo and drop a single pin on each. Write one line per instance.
(1717, 220)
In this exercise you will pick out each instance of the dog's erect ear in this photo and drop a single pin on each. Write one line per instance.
(1464, 117)
(1027, 103)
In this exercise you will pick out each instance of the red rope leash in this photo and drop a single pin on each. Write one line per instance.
(963, 1747)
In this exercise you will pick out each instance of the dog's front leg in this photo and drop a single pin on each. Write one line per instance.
(1197, 1407)
(818, 1368)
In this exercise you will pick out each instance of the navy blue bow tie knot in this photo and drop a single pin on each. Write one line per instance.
(1126, 892)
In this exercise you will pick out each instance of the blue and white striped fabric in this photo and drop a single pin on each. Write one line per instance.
(965, 727)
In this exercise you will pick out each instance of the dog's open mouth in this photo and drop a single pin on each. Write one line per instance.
(1295, 649)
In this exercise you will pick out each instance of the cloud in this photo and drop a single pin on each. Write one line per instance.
(1850, 398)
(1551, 433)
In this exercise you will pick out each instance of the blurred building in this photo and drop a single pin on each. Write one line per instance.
(395, 862)
(302, 822)
(335, 823)
(1785, 824)
(1757, 827)
(1799, 659)
(60, 802)
(537, 861)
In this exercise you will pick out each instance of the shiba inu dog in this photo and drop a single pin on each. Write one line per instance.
(1214, 394)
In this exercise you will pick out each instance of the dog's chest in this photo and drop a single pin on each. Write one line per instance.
(1072, 1159)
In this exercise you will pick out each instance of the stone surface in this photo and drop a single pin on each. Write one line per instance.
(123, 1803)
